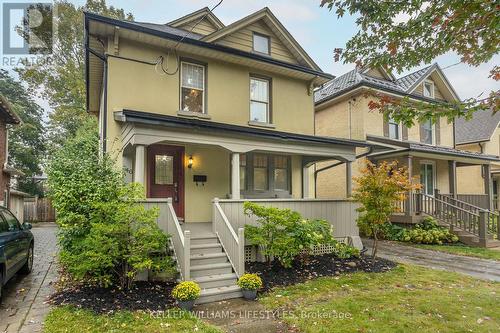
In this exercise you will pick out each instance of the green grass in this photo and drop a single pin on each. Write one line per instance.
(406, 299)
(69, 319)
(463, 250)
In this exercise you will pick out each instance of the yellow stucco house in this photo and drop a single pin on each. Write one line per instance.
(206, 116)
(427, 149)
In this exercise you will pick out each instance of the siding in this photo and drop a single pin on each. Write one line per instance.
(203, 28)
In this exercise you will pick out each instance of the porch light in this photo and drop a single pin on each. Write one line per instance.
(190, 161)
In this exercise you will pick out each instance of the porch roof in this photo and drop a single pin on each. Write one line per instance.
(416, 147)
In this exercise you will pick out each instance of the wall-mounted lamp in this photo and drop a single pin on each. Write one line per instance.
(190, 161)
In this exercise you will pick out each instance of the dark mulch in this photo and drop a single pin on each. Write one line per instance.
(322, 265)
(143, 296)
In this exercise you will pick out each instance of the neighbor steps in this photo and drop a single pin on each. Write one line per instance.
(211, 269)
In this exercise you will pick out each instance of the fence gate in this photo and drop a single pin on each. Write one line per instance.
(39, 210)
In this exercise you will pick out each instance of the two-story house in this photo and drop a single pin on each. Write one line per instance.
(481, 134)
(427, 149)
(196, 110)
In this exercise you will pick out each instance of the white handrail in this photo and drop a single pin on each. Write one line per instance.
(180, 240)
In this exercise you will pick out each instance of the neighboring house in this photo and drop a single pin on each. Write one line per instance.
(9, 196)
(196, 110)
(427, 149)
(481, 134)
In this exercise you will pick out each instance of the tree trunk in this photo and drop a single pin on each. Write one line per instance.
(375, 244)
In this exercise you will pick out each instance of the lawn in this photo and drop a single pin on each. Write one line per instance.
(69, 319)
(408, 298)
(463, 250)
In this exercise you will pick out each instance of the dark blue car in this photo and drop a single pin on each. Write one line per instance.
(16, 247)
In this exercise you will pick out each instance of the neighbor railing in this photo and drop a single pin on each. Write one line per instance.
(477, 200)
(233, 244)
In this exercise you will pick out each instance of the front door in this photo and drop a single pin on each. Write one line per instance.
(427, 178)
(166, 175)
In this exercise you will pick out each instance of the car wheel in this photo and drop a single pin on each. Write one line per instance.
(28, 266)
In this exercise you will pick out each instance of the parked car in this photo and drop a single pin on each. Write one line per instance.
(16, 247)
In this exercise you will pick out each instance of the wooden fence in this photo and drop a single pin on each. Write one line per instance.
(38, 210)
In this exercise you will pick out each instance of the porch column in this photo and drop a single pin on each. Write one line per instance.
(409, 200)
(452, 171)
(305, 182)
(140, 156)
(348, 179)
(235, 176)
(488, 187)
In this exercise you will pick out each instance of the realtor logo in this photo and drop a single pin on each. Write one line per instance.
(27, 28)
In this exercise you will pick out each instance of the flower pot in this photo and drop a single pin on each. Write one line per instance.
(186, 305)
(249, 294)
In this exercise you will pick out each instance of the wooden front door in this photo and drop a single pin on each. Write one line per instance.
(166, 175)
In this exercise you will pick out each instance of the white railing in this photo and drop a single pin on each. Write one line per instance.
(341, 214)
(234, 245)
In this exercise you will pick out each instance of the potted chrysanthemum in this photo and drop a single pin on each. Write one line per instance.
(249, 284)
(186, 293)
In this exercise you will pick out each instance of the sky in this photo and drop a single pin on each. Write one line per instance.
(317, 29)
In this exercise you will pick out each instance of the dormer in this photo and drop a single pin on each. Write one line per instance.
(202, 22)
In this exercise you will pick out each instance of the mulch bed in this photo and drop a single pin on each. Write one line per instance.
(143, 296)
(317, 266)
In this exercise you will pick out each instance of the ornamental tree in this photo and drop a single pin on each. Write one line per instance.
(379, 189)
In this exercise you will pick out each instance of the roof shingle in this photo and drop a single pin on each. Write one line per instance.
(479, 128)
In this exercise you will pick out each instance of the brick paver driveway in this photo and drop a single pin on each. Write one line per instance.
(23, 307)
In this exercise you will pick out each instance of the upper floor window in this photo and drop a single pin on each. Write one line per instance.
(192, 87)
(429, 89)
(427, 132)
(261, 43)
(394, 129)
(259, 100)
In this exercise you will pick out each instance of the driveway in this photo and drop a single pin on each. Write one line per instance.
(23, 306)
(475, 267)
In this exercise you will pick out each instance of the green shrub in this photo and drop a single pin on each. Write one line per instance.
(345, 251)
(250, 282)
(426, 232)
(284, 234)
(186, 291)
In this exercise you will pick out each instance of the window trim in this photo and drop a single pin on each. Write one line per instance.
(433, 134)
(434, 172)
(268, 43)
(205, 86)
(269, 99)
(400, 130)
(431, 83)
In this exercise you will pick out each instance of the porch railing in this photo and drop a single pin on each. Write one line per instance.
(477, 200)
(233, 244)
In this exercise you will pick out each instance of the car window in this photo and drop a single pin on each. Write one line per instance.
(4, 227)
(12, 222)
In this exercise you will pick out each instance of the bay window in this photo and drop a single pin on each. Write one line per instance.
(265, 175)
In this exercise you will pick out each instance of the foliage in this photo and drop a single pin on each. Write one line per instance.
(106, 237)
(284, 234)
(399, 35)
(379, 189)
(186, 291)
(345, 251)
(26, 140)
(250, 282)
(61, 81)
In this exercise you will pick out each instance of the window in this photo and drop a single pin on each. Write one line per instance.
(260, 172)
(427, 178)
(4, 227)
(429, 89)
(261, 43)
(281, 173)
(164, 170)
(393, 129)
(11, 221)
(427, 132)
(259, 100)
(243, 172)
(192, 87)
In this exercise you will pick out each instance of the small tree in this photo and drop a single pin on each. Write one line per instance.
(378, 191)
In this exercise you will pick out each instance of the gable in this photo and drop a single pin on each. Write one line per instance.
(375, 73)
(419, 90)
(443, 90)
(204, 27)
(242, 39)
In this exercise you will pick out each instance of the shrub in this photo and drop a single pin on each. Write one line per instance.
(426, 232)
(345, 251)
(186, 291)
(250, 282)
(284, 234)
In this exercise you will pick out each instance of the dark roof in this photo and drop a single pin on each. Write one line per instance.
(7, 113)
(194, 123)
(169, 30)
(355, 78)
(480, 128)
(424, 148)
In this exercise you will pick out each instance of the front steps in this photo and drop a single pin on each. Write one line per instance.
(211, 269)
(473, 240)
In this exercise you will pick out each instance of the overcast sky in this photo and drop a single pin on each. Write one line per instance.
(317, 29)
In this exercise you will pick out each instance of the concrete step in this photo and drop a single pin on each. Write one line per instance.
(211, 269)
(219, 294)
(206, 248)
(208, 258)
(216, 281)
(204, 239)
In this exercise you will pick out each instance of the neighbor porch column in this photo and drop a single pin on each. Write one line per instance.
(305, 182)
(409, 200)
(488, 187)
(452, 171)
(140, 157)
(348, 179)
(235, 176)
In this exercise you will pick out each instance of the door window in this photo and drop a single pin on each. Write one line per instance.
(164, 170)
(11, 220)
(427, 178)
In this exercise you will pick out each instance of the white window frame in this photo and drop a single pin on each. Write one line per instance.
(434, 172)
(432, 88)
(268, 43)
(400, 130)
(268, 103)
(203, 109)
(433, 134)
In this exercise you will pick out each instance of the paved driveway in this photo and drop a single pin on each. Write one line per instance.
(23, 307)
(475, 267)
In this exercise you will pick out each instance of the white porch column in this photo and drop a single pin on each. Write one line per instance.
(235, 175)
(348, 179)
(140, 156)
(305, 182)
